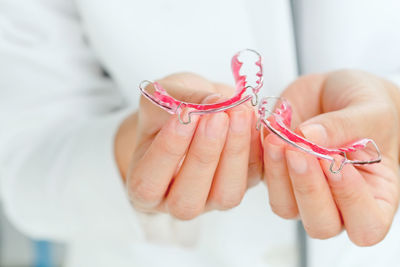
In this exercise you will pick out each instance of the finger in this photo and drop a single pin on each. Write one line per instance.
(151, 174)
(343, 126)
(340, 128)
(280, 192)
(255, 169)
(336, 128)
(230, 180)
(304, 95)
(365, 221)
(317, 208)
(189, 191)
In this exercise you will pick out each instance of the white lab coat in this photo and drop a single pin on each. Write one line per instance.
(59, 115)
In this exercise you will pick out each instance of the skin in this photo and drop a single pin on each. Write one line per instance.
(334, 109)
(186, 170)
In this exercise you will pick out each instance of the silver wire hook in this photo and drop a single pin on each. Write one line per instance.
(254, 99)
(342, 163)
(254, 95)
(179, 113)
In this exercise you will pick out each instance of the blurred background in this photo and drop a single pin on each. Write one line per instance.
(16, 250)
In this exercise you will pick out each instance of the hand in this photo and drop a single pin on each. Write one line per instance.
(333, 110)
(188, 169)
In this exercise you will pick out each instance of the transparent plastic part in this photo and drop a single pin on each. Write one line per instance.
(274, 113)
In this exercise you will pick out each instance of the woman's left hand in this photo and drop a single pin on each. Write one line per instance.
(333, 110)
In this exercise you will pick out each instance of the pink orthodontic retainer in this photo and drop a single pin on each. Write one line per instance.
(161, 98)
(277, 121)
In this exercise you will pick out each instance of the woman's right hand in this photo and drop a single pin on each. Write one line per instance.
(188, 169)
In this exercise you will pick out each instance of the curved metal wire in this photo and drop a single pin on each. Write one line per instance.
(264, 113)
(344, 161)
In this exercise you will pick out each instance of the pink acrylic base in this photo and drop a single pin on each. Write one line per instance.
(280, 120)
(277, 121)
(172, 105)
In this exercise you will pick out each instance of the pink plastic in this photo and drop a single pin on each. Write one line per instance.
(281, 120)
(279, 123)
(161, 97)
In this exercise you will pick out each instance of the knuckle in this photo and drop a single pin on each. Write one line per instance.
(345, 196)
(143, 192)
(306, 189)
(172, 148)
(235, 148)
(323, 231)
(370, 235)
(284, 211)
(205, 155)
(183, 210)
(227, 201)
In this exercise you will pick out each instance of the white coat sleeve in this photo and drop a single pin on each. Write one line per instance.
(58, 117)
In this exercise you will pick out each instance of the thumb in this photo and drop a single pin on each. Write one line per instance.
(338, 128)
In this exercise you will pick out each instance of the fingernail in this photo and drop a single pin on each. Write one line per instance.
(239, 121)
(215, 125)
(296, 161)
(275, 152)
(211, 98)
(315, 133)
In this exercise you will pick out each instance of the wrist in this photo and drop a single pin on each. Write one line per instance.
(124, 144)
